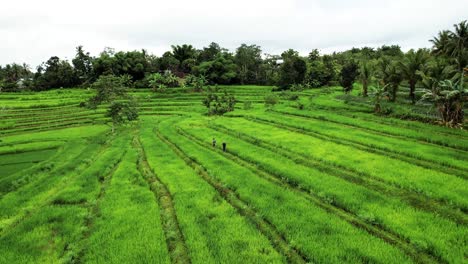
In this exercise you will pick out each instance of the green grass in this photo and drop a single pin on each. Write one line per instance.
(329, 183)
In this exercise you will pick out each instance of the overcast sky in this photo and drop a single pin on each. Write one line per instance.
(33, 30)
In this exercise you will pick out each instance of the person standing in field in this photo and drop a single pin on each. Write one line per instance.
(224, 146)
(214, 142)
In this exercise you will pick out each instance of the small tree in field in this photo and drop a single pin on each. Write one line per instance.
(349, 72)
(271, 100)
(111, 89)
(197, 82)
(219, 104)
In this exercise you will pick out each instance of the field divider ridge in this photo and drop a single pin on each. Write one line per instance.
(266, 228)
(175, 241)
(341, 212)
(417, 200)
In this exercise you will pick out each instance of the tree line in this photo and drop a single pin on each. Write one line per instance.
(440, 70)
(247, 65)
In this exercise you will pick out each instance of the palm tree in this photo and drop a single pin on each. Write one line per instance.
(411, 64)
(459, 44)
(455, 46)
(183, 54)
(365, 76)
(441, 42)
(391, 77)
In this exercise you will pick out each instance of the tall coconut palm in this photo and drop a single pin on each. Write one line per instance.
(411, 64)
(365, 74)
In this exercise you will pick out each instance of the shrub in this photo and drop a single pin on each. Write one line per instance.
(219, 104)
(247, 105)
(271, 100)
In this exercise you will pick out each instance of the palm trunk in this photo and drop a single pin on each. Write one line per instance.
(364, 88)
(394, 93)
(412, 89)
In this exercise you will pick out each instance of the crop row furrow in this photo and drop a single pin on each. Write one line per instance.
(265, 227)
(93, 212)
(174, 238)
(341, 212)
(417, 200)
(432, 141)
(44, 193)
(412, 159)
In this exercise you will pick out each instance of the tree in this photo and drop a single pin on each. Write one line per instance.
(269, 70)
(219, 104)
(111, 89)
(168, 62)
(209, 53)
(411, 64)
(185, 55)
(248, 59)
(133, 63)
(331, 69)
(271, 100)
(393, 77)
(120, 112)
(365, 75)
(441, 42)
(197, 82)
(454, 45)
(54, 73)
(221, 70)
(293, 69)
(83, 64)
(349, 72)
(317, 73)
(449, 98)
(12, 74)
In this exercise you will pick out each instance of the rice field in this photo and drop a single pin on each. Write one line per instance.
(329, 183)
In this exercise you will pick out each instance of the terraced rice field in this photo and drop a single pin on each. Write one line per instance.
(331, 183)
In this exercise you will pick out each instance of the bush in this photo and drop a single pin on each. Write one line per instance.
(293, 97)
(271, 100)
(300, 106)
(247, 105)
(219, 105)
(158, 81)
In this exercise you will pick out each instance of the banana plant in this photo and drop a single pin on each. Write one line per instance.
(449, 98)
(378, 93)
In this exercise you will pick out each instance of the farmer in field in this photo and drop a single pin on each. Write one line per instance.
(214, 142)
(224, 146)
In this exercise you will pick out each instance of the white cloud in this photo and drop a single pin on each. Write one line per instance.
(32, 31)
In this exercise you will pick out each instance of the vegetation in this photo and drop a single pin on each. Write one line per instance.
(299, 173)
(111, 89)
(344, 177)
(219, 102)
